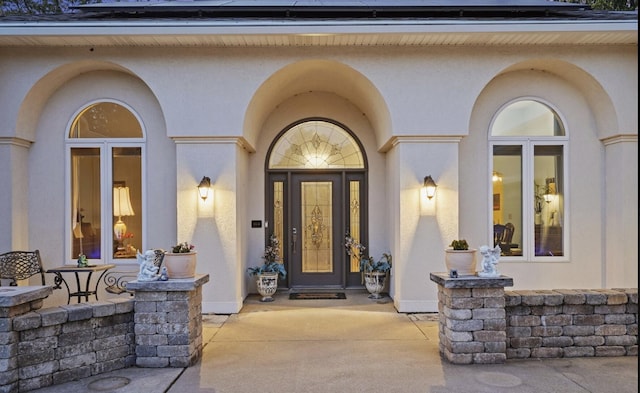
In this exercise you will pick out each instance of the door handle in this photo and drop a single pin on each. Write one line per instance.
(294, 239)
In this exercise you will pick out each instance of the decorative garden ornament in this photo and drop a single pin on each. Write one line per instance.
(148, 270)
(490, 258)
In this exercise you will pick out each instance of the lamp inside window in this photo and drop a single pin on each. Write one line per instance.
(121, 208)
(550, 189)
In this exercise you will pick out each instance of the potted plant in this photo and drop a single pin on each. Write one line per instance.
(460, 258)
(181, 261)
(268, 273)
(374, 273)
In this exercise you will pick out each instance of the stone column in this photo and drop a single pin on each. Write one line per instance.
(472, 318)
(15, 301)
(168, 321)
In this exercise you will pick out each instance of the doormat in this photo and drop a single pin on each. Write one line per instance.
(317, 295)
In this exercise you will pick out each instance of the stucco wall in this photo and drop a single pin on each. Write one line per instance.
(224, 99)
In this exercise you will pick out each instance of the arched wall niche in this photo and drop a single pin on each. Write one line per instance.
(41, 91)
(322, 77)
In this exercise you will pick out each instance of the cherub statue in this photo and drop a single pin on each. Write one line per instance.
(490, 257)
(148, 271)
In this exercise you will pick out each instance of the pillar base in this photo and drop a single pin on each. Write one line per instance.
(168, 321)
(472, 318)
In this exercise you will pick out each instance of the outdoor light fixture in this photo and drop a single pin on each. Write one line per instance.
(430, 186)
(203, 187)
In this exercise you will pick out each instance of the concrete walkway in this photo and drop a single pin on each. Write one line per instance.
(353, 345)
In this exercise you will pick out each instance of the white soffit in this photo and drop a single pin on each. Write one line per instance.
(283, 34)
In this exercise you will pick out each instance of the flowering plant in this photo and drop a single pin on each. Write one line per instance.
(367, 264)
(272, 251)
(272, 259)
(182, 248)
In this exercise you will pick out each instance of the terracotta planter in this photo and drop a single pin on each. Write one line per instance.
(180, 265)
(464, 261)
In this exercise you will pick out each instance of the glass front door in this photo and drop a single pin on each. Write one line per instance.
(310, 213)
(315, 257)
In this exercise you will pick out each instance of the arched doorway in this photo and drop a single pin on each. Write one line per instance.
(316, 175)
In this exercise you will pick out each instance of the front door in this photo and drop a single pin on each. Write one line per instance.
(311, 213)
(315, 255)
(316, 173)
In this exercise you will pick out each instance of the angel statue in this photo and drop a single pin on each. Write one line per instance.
(148, 270)
(490, 257)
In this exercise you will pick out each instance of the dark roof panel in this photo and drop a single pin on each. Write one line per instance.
(332, 8)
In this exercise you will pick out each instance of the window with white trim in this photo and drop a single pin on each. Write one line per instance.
(105, 147)
(528, 176)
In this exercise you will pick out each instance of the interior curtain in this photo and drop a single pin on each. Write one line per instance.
(75, 189)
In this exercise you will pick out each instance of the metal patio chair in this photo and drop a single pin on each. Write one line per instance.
(20, 265)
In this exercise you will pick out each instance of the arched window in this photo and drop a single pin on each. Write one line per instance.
(528, 144)
(316, 144)
(105, 145)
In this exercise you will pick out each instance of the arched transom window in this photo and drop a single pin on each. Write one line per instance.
(316, 144)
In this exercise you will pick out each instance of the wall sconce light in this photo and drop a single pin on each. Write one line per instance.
(430, 186)
(548, 198)
(203, 187)
(496, 177)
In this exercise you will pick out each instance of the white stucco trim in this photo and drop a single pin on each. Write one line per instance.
(397, 139)
(15, 141)
(242, 142)
(620, 139)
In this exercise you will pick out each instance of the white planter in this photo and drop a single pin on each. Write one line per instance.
(374, 282)
(267, 284)
(180, 265)
(464, 261)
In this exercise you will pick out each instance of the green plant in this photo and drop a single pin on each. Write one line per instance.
(367, 263)
(182, 248)
(271, 259)
(459, 244)
(370, 265)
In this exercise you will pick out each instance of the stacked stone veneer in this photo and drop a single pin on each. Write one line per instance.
(572, 323)
(168, 322)
(43, 347)
(472, 318)
(479, 322)
(160, 327)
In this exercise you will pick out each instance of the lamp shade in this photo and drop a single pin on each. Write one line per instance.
(122, 202)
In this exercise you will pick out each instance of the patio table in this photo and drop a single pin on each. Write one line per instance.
(83, 289)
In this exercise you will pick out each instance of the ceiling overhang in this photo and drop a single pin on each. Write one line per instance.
(325, 23)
